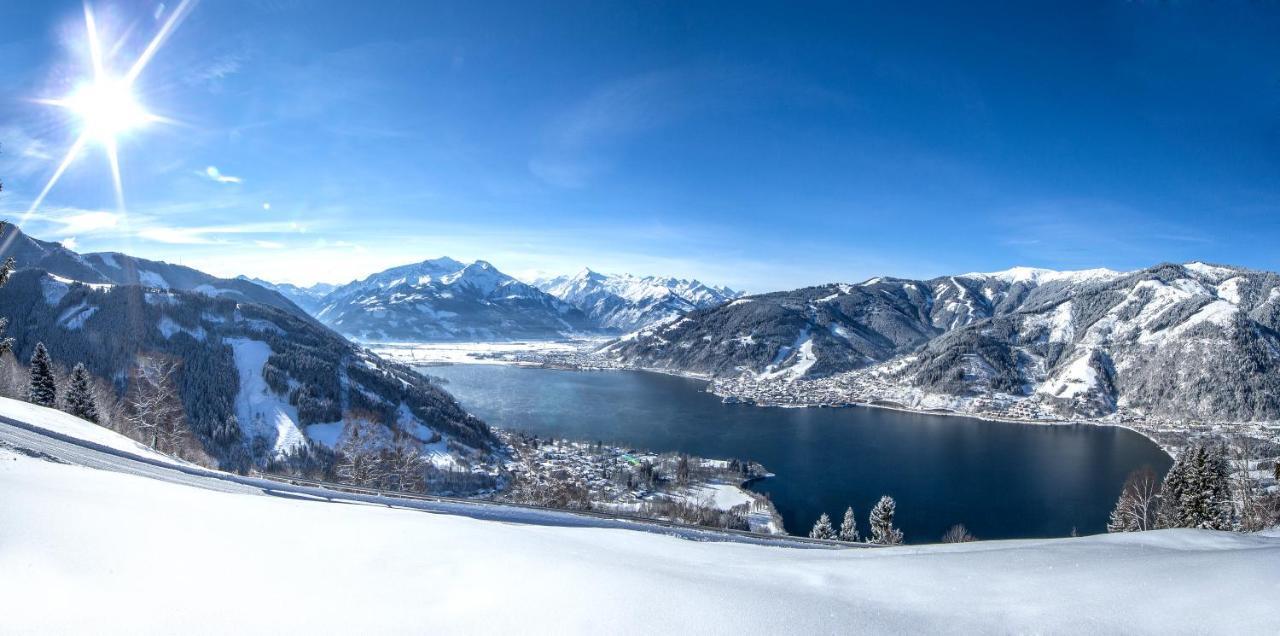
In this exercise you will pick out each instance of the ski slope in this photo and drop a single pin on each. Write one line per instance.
(119, 549)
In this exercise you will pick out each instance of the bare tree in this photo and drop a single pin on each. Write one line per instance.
(1138, 504)
(14, 379)
(1254, 513)
(360, 463)
(405, 466)
(154, 411)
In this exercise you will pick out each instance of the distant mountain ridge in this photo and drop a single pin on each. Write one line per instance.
(625, 303)
(443, 299)
(307, 298)
(121, 269)
(1193, 339)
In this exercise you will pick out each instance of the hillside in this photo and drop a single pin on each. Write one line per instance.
(1189, 340)
(121, 269)
(163, 543)
(290, 383)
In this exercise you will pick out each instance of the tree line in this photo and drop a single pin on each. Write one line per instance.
(1200, 491)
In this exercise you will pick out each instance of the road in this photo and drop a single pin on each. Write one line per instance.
(31, 439)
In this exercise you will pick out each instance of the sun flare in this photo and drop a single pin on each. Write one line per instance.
(107, 108)
(106, 104)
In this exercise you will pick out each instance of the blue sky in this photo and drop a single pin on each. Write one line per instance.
(755, 145)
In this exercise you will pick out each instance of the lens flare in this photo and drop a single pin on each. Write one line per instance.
(106, 105)
(107, 108)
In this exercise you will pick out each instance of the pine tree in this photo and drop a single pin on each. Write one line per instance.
(1197, 490)
(822, 529)
(43, 390)
(882, 530)
(227, 432)
(79, 398)
(1171, 494)
(1217, 508)
(849, 527)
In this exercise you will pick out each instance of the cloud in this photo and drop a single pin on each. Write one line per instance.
(271, 245)
(75, 221)
(217, 69)
(214, 174)
(214, 234)
(22, 156)
(177, 236)
(69, 242)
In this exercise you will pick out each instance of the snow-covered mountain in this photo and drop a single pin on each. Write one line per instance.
(1192, 340)
(623, 303)
(121, 269)
(290, 383)
(308, 298)
(443, 299)
(259, 380)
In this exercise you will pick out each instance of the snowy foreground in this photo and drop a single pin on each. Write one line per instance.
(92, 551)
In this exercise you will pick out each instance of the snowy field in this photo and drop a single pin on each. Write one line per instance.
(95, 551)
(419, 353)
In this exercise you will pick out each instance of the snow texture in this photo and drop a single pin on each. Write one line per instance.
(262, 412)
(373, 569)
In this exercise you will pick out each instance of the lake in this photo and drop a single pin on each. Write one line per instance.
(1002, 480)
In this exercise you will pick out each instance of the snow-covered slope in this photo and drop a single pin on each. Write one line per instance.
(1193, 340)
(441, 300)
(82, 546)
(626, 303)
(278, 374)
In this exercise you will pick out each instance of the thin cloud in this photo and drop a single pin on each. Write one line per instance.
(74, 221)
(214, 174)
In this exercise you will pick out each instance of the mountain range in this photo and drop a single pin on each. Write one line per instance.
(445, 300)
(260, 382)
(1191, 340)
(624, 303)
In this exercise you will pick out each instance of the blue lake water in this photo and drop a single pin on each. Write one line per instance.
(1001, 480)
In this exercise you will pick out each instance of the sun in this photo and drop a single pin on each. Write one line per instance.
(107, 108)
(106, 105)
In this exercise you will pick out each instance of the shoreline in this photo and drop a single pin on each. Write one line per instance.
(709, 384)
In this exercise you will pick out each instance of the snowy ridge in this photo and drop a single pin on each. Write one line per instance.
(1039, 276)
(1172, 341)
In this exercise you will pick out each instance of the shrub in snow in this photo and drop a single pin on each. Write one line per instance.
(958, 534)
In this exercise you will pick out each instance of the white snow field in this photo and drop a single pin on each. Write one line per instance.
(85, 550)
